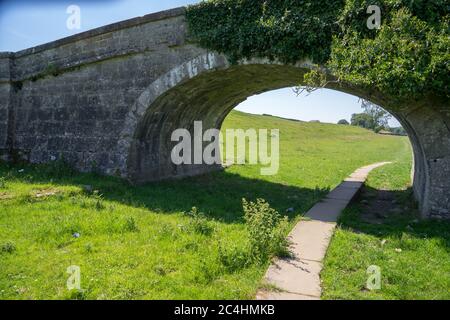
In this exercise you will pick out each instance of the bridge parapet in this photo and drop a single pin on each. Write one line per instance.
(133, 36)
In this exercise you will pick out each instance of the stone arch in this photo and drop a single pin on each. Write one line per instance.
(167, 104)
(155, 90)
(207, 88)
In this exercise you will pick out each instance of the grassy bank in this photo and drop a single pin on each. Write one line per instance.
(138, 243)
(384, 229)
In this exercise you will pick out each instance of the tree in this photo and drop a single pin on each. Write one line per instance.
(362, 120)
(379, 117)
(343, 122)
(373, 118)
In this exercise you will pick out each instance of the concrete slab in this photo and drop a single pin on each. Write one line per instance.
(327, 210)
(296, 276)
(350, 184)
(299, 277)
(355, 179)
(283, 296)
(361, 177)
(343, 193)
(310, 239)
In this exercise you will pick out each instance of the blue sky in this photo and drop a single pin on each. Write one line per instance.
(27, 23)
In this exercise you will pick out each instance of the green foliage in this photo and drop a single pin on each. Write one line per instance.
(285, 30)
(234, 258)
(267, 230)
(373, 118)
(8, 247)
(407, 58)
(51, 69)
(130, 225)
(199, 223)
(98, 198)
(343, 122)
(313, 79)
(362, 120)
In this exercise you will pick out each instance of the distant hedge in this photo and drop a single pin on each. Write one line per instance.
(408, 57)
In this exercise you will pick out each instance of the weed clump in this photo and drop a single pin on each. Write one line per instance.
(267, 231)
(7, 247)
(199, 223)
(98, 199)
(234, 258)
(130, 225)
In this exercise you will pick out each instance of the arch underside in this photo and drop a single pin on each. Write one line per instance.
(209, 98)
(211, 95)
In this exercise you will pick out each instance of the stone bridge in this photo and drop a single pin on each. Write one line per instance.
(108, 100)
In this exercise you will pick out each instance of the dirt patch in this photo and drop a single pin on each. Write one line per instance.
(379, 205)
(45, 193)
(5, 196)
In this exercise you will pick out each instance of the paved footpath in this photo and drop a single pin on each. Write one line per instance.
(298, 278)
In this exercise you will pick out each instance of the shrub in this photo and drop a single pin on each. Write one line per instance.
(267, 230)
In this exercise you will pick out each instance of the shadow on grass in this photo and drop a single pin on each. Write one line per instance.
(218, 194)
(394, 214)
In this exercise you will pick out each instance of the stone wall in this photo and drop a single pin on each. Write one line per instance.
(428, 126)
(73, 94)
(5, 98)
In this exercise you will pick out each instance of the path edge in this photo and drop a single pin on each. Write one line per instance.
(298, 277)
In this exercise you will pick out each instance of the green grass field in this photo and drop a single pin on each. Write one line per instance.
(413, 254)
(137, 242)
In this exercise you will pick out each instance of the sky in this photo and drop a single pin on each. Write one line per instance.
(27, 23)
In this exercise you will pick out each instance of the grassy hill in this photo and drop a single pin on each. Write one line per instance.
(138, 243)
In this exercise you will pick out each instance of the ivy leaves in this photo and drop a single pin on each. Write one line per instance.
(284, 30)
(407, 58)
